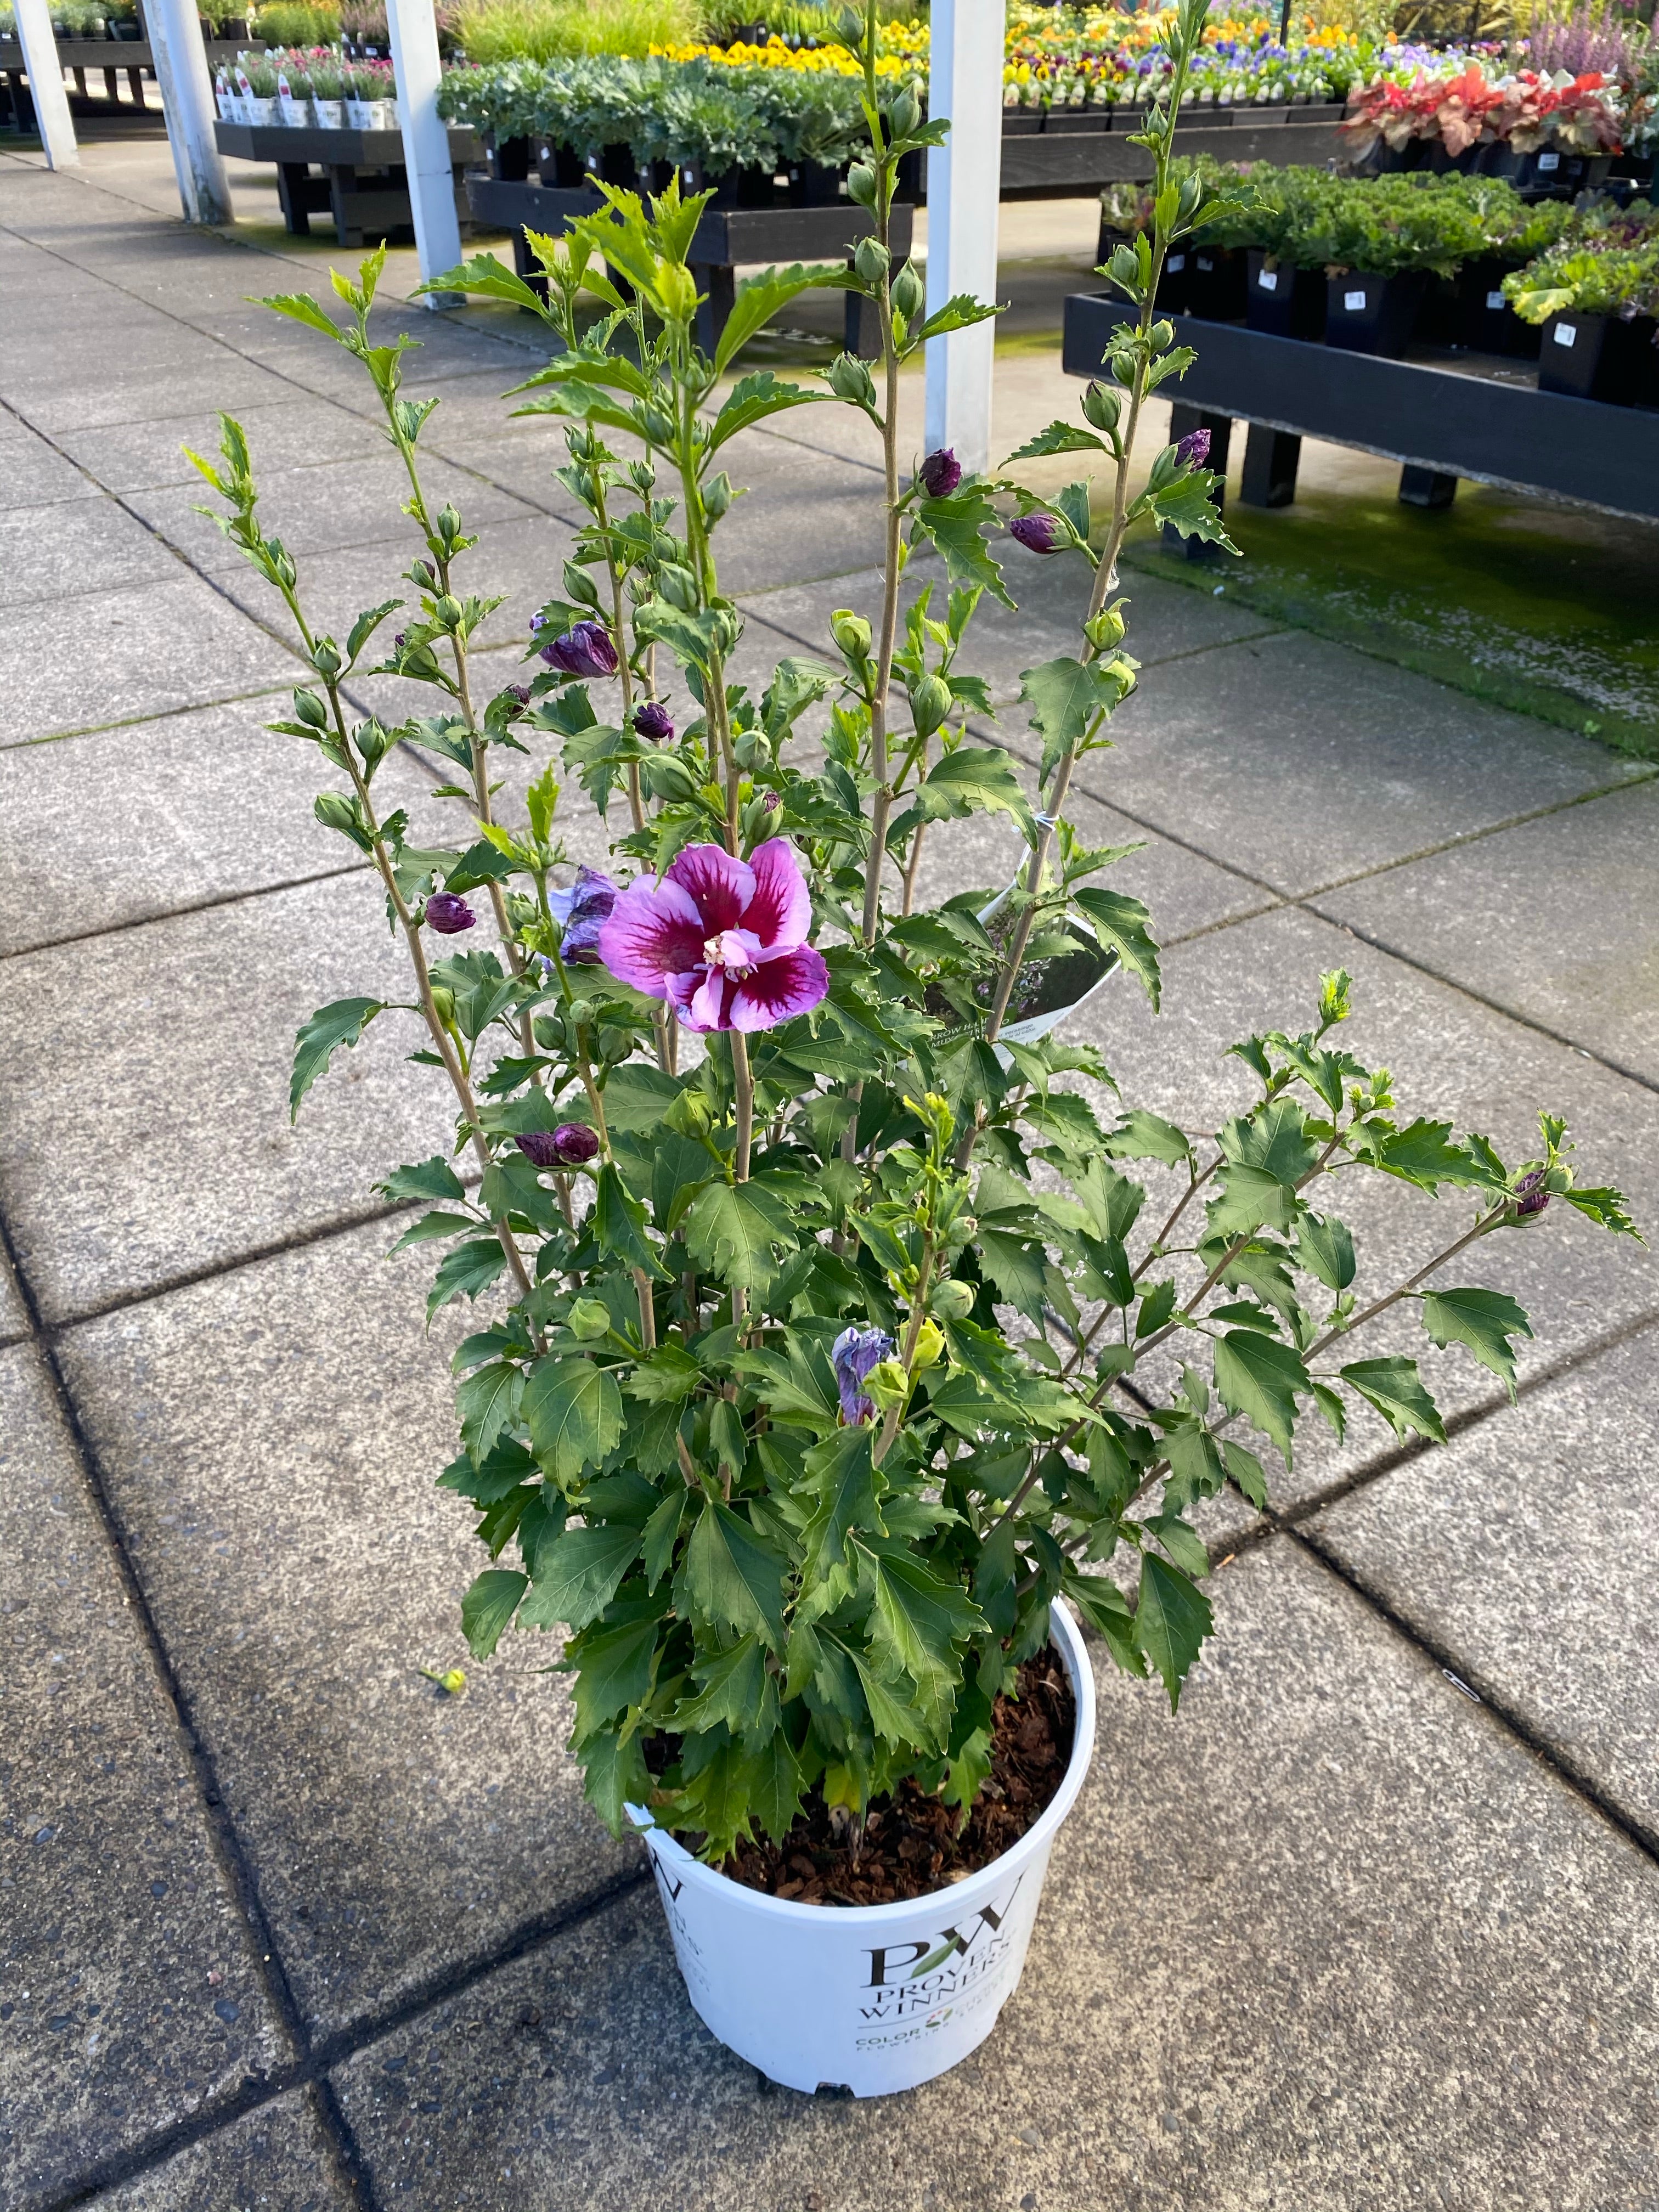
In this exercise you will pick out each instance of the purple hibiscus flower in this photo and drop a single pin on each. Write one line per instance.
(568, 1146)
(1193, 450)
(723, 940)
(581, 909)
(449, 915)
(653, 720)
(1042, 533)
(1530, 1195)
(940, 473)
(852, 1356)
(585, 649)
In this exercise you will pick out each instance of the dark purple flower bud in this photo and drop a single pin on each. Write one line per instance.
(653, 720)
(520, 692)
(568, 1146)
(771, 803)
(537, 622)
(940, 473)
(401, 640)
(1192, 451)
(581, 909)
(1530, 1195)
(585, 649)
(1040, 533)
(540, 1147)
(852, 1356)
(449, 915)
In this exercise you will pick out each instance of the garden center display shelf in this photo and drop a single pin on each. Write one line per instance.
(111, 56)
(364, 185)
(727, 238)
(1079, 154)
(1472, 416)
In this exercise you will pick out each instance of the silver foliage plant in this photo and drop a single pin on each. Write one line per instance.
(816, 1360)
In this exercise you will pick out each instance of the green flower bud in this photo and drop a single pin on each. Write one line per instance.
(862, 185)
(668, 777)
(1104, 630)
(904, 114)
(888, 1384)
(589, 1320)
(910, 292)
(678, 587)
(930, 702)
(310, 709)
(930, 1344)
(615, 1044)
(717, 495)
(851, 633)
(849, 379)
(1102, 406)
(952, 1299)
(443, 1004)
(871, 260)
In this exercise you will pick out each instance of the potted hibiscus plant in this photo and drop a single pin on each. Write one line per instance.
(830, 1363)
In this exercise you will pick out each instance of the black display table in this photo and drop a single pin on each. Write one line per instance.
(1074, 156)
(363, 184)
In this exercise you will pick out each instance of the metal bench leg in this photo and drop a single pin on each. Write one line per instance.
(1426, 487)
(1270, 464)
(1183, 422)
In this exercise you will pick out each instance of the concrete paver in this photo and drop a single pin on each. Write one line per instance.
(130, 1996)
(1284, 1954)
(271, 1439)
(278, 2155)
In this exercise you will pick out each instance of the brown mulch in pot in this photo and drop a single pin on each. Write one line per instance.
(910, 1844)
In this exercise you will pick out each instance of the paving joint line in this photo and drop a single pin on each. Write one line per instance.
(1547, 1755)
(210, 903)
(138, 722)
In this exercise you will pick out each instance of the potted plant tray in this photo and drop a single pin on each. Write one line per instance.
(1365, 313)
(1286, 301)
(1601, 357)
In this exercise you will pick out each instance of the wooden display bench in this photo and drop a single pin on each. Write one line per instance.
(1440, 415)
(727, 238)
(108, 57)
(362, 183)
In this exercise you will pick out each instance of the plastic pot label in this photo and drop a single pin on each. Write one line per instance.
(1175, 261)
(1564, 334)
(1495, 301)
(1268, 280)
(1354, 302)
(1205, 264)
(870, 1998)
(1549, 161)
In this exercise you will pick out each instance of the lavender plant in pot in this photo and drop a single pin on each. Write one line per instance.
(830, 1365)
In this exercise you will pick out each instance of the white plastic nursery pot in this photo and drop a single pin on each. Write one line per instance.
(871, 1998)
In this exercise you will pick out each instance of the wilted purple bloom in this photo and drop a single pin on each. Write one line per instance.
(1193, 450)
(520, 692)
(852, 1355)
(449, 915)
(653, 720)
(1042, 533)
(940, 473)
(585, 649)
(581, 909)
(1530, 1195)
(723, 940)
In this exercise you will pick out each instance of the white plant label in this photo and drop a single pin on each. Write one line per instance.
(1549, 160)
(1494, 301)
(1175, 261)
(1564, 334)
(1353, 301)
(1268, 280)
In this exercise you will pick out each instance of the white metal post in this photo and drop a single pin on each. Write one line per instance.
(964, 180)
(52, 113)
(188, 102)
(414, 30)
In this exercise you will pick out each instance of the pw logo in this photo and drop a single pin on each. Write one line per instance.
(886, 1967)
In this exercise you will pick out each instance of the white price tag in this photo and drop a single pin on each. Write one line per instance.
(1549, 160)
(1565, 334)
(1495, 300)
(1268, 280)
(1177, 261)
(1354, 302)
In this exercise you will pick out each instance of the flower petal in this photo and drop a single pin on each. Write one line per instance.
(780, 911)
(786, 984)
(721, 886)
(652, 931)
(710, 1007)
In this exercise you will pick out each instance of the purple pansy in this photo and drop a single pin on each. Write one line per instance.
(1530, 1195)
(581, 909)
(653, 720)
(852, 1355)
(585, 649)
(449, 915)
(723, 940)
(1040, 533)
(940, 473)
(1193, 450)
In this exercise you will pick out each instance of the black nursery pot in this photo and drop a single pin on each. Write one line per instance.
(1022, 122)
(509, 159)
(561, 167)
(1285, 303)
(1218, 284)
(1487, 322)
(1175, 286)
(814, 184)
(1373, 314)
(1601, 357)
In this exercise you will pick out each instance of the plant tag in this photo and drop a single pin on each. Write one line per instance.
(1205, 264)
(1565, 334)
(1495, 301)
(1175, 262)
(1549, 160)
(1354, 302)
(1268, 280)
